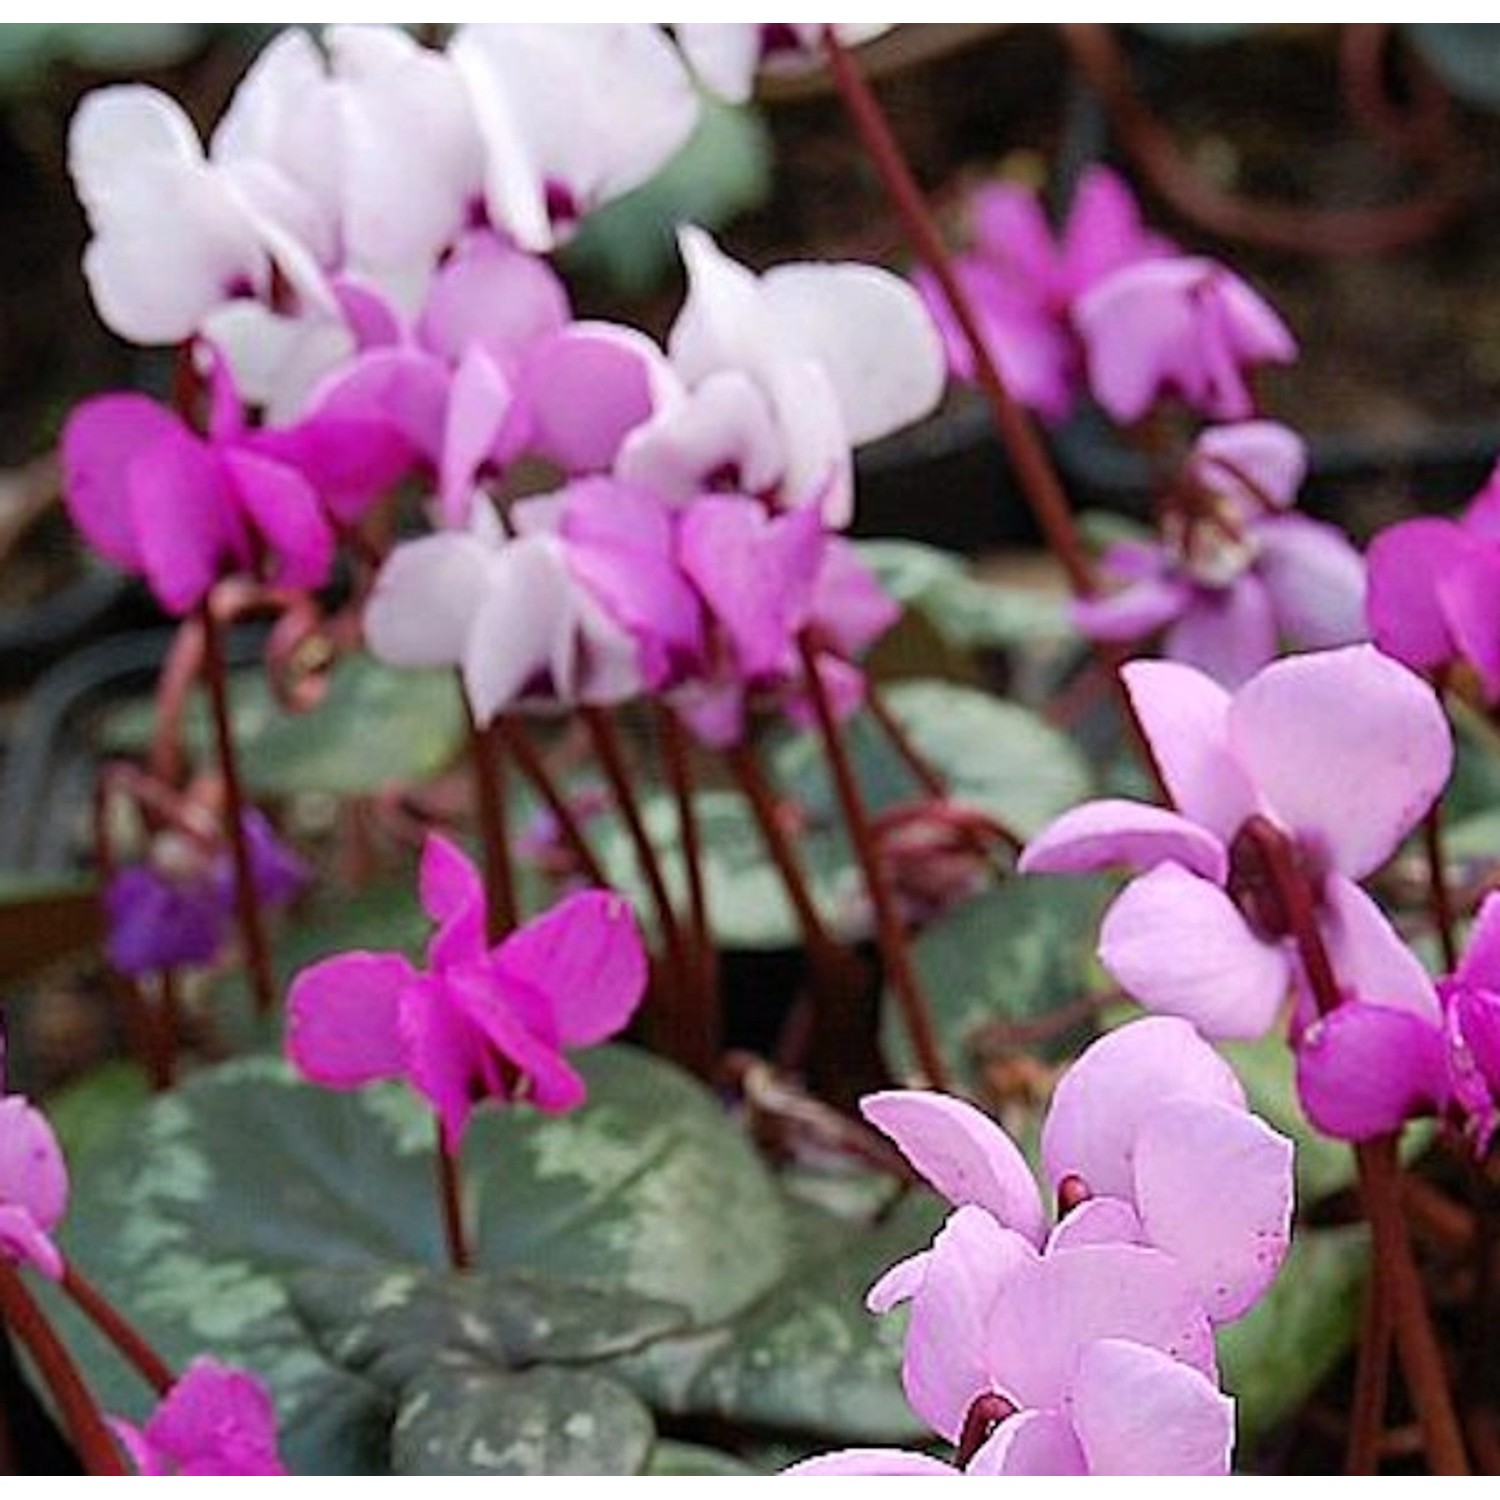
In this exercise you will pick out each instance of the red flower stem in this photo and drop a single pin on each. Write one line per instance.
(1439, 897)
(166, 1032)
(517, 742)
(1398, 1277)
(450, 1197)
(252, 931)
(1371, 1382)
(890, 933)
(1040, 482)
(112, 1323)
(80, 1412)
(679, 1034)
(678, 761)
(501, 909)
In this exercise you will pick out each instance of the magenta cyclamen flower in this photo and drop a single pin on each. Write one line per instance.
(1083, 1359)
(33, 1185)
(478, 1022)
(1148, 1141)
(1022, 281)
(216, 1420)
(1471, 1004)
(1434, 583)
(1343, 751)
(1181, 326)
(1235, 573)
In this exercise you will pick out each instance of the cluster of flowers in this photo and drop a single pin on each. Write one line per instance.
(1085, 1347)
(390, 313)
(1110, 307)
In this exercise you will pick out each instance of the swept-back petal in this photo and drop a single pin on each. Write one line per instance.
(964, 1154)
(342, 1027)
(1179, 945)
(1316, 580)
(1038, 1443)
(872, 1461)
(1214, 1187)
(426, 600)
(1348, 748)
(1103, 1102)
(1138, 1411)
(1114, 831)
(1228, 633)
(1369, 958)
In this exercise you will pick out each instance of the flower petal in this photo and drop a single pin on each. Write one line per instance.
(1229, 633)
(1369, 959)
(342, 1019)
(875, 1461)
(964, 1154)
(1116, 832)
(1138, 1411)
(1316, 580)
(1348, 748)
(1179, 945)
(1104, 1101)
(1037, 1443)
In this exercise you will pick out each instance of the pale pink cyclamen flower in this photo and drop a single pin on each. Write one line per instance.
(33, 1185)
(1236, 573)
(725, 56)
(1183, 326)
(1081, 1359)
(216, 1420)
(1341, 752)
(777, 377)
(1022, 281)
(1433, 586)
(1149, 1141)
(478, 1022)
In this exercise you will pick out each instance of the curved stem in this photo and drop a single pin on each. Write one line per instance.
(1439, 895)
(1371, 1381)
(80, 1412)
(517, 742)
(247, 903)
(501, 909)
(450, 1197)
(890, 932)
(113, 1324)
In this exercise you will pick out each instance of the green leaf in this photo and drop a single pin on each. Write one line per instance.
(992, 755)
(747, 902)
(671, 1460)
(98, 1110)
(246, 1176)
(377, 727)
(547, 1421)
(391, 1323)
(1276, 1356)
(1015, 953)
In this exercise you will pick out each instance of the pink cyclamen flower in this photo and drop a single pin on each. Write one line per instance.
(1235, 573)
(478, 1022)
(1149, 1141)
(1471, 1003)
(216, 1419)
(1433, 587)
(185, 510)
(1061, 1354)
(1342, 751)
(1022, 281)
(33, 1186)
(1184, 327)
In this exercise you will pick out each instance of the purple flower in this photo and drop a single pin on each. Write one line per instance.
(1433, 586)
(33, 1186)
(1234, 574)
(1342, 751)
(1144, 1132)
(478, 1022)
(1183, 326)
(216, 1420)
(180, 908)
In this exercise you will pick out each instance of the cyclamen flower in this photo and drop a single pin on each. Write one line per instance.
(33, 1186)
(1235, 573)
(1086, 1359)
(216, 1420)
(1022, 281)
(1433, 586)
(1183, 326)
(1342, 751)
(1148, 1140)
(725, 56)
(180, 908)
(478, 1022)
(1471, 1003)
